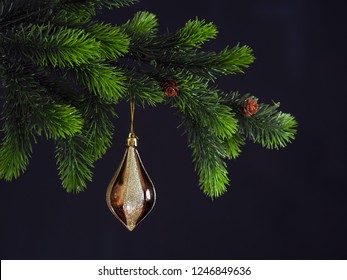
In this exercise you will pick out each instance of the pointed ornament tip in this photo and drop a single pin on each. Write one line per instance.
(131, 227)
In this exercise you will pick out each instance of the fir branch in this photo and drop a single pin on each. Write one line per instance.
(16, 146)
(72, 14)
(195, 33)
(142, 26)
(59, 120)
(74, 164)
(15, 151)
(232, 145)
(56, 46)
(39, 111)
(98, 127)
(145, 89)
(145, 44)
(208, 154)
(181, 50)
(12, 12)
(113, 42)
(203, 104)
(208, 124)
(209, 64)
(101, 79)
(269, 127)
(47, 44)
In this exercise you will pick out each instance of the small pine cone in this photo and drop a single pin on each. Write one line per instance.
(250, 107)
(169, 87)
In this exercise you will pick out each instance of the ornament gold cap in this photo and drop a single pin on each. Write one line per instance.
(132, 139)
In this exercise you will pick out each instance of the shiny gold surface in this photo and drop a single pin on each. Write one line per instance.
(130, 195)
(132, 140)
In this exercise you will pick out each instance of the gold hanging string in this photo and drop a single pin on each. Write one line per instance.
(132, 138)
(132, 109)
(132, 113)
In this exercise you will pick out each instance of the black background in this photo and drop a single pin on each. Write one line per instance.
(287, 204)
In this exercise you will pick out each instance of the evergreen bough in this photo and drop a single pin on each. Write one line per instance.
(62, 72)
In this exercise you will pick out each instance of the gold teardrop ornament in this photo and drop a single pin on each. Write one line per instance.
(131, 195)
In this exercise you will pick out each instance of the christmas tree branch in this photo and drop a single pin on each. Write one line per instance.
(63, 72)
(29, 111)
(74, 163)
(55, 46)
(98, 126)
(73, 14)
(143, 26)
(16, 145)
(269, 127)
(209, 65)
(181, 52)
(208, 155)
(113, 42)
(101, 79)
(208, 124)
(145, 89)
(12, 12)
(195, 33)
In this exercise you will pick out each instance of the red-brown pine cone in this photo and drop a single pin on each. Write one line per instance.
(250, 107)
(169, 87)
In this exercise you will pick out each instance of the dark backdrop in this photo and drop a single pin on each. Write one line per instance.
(287, 204)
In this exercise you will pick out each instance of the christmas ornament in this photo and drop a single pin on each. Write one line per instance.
(131, 195)
(250, 107)
(169, 87)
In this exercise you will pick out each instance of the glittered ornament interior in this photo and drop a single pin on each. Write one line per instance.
(131, 195)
